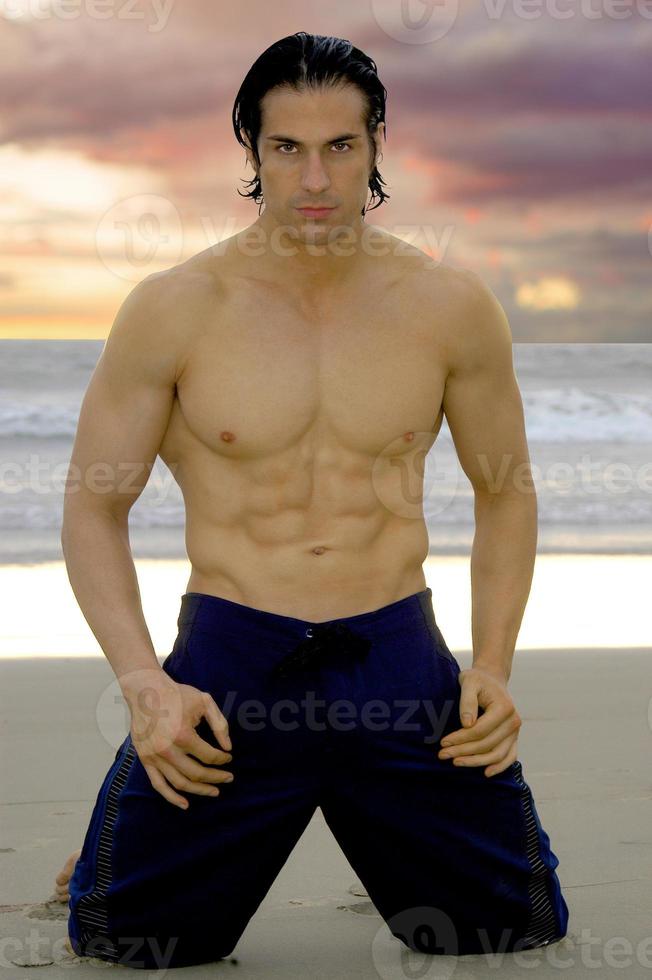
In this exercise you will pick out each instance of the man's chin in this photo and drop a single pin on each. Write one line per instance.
(309, 231)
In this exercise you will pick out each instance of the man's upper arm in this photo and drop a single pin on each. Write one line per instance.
(127, 405)
(482, 401)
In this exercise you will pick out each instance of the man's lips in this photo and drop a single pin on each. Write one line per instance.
(312, 212)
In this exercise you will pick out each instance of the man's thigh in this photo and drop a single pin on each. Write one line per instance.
(157, 886)
(451, 858)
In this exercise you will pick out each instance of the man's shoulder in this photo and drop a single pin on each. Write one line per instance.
(462, 296)
(468, 322)
(478, 332)
(447, 283)
(420, 271)
(192, 280)
(160, 315)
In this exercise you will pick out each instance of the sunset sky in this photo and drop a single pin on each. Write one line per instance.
(519, 146)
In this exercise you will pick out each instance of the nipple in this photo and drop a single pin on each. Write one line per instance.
(227, 436)
(409, 436)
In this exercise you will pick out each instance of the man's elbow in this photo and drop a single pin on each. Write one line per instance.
(83, 513)
(507, 496)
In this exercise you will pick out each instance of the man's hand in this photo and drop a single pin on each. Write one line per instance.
(164, 715)
(489, 740)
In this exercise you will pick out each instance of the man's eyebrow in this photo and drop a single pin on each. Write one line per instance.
(289, 139)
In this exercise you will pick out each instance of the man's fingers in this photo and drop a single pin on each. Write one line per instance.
(493, 716)
(159, 784)
(188, 768)
(490, 741)
(179, 781)
(497, 755)
(468, 699)
(218, 723)
(206, 752)
(510, 758)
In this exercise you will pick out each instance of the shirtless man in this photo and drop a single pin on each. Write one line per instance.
(290, 386)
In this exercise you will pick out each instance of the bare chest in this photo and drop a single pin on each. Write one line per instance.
(262, 377)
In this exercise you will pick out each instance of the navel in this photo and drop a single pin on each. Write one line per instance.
(227, 436)
(319, 550)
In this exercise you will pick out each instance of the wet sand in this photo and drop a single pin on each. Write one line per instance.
(585, 749)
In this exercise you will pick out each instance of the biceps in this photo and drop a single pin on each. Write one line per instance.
(118, 436)
(484, 411)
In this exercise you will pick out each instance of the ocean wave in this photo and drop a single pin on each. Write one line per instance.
(574, 414)
(52, 421)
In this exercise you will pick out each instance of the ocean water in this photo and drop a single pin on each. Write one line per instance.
(588, 412)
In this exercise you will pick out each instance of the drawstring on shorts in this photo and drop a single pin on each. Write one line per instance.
(320, 641)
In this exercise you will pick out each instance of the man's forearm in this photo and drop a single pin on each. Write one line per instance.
(502, 566)
(103, 577)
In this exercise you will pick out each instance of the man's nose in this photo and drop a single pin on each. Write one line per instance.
(315, 177)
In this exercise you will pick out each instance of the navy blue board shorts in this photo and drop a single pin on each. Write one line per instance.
(345, 715)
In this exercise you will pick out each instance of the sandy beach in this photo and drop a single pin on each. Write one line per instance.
(584, 746)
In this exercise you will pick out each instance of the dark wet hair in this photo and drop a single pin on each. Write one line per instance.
(301, 60)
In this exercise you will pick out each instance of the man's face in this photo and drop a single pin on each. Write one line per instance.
(314, 152)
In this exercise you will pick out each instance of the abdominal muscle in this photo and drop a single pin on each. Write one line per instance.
(315, 582)
(306, 532)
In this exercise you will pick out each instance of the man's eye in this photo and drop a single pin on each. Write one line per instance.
(291, 145)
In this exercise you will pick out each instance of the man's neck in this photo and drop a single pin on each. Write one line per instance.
(314, 266)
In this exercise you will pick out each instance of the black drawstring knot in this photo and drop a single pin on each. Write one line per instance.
(323, 639)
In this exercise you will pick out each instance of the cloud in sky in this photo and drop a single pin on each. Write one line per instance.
(530, 140)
